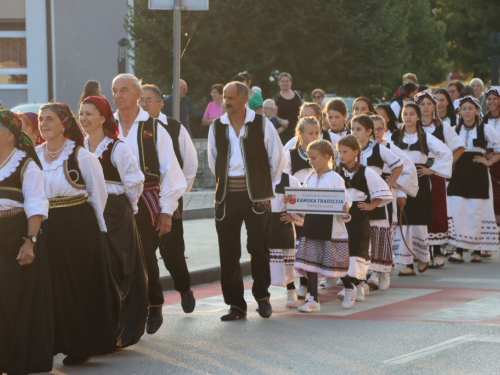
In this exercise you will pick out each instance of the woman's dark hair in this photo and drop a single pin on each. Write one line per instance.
(466, 91)
(422, 88)
(246, 75)
(219, 87)
(368, 103)
(416, 107)
(366, 122)
(459, 85)
(335, 105)
(409, 88)
(90, 89)
(238, 79)
(392, 124)
(450, 110)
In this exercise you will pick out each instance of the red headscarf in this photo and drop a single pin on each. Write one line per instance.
(72, 130)
(33, 117)
(110, 125)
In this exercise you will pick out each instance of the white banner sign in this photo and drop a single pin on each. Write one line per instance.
(315, 201)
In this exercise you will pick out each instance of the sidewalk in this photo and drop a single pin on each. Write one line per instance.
(200, 237)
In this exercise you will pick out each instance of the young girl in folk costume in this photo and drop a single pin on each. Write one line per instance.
(492, 119)
(377, 158)
(390, 119)
(124, 184)
(445, 108)
(442, 230)
(26, 315)
(336, 112)
(312, 110)
(282, 241)
(367, 191)
(323, 246)
(297, 164)
(417, 211)
(470, 193)
(362, 105)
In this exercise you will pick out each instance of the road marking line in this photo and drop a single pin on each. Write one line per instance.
(467, 280)
(432, 349)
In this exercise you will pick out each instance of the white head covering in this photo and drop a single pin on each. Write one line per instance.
(473, 100)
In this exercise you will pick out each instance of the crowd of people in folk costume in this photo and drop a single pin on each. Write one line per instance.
(86, 201)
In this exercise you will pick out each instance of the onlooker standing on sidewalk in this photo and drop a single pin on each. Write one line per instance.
(214, 108)
(269, 108)
(92, 88)
(185, 106)
(255, 100)
(172, 245)
(455, 88)
(256, 157)
(478, 86)
(318, 96)
(288, 104)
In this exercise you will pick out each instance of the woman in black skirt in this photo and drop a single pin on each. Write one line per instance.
(26, 317)
(84, 299)
(124, 184)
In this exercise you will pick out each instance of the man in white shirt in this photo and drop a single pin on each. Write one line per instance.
(246, 155)
(152, 146)
(172, 245)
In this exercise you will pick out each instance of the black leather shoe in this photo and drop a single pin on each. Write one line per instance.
(265, 308)
(155, 319)
(234, 314)
(72, 360)
(188, 302)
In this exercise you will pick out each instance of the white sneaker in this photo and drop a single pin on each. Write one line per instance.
(360, 294)
(349, 298)
(339, 282)
(330, 283)
(366, 288)
(384, 281)
(310, 306)
(302, 292)
(341, 294)
(322, 282)
(291, 298)
(456, 258)
(373, 281)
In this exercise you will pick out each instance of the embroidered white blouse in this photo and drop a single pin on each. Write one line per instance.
(126, 164)
(35, 201)
(490, 134)
(443, 158)
(451, 138)
(376, 186)
(300, 175)
(390, 160)
(408, 180)
(56, 184)
(172, 180)
(333, 137)
(495, 124)
(272, 143)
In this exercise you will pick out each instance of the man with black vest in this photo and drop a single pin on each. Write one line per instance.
(152, 146)
(246, 155)
(172, 246)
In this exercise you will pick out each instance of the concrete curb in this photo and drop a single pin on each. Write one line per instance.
(203, 276)
(198, 213)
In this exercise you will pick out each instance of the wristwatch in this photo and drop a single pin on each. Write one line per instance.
(31, 238)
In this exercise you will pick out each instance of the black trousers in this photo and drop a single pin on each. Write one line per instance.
(239, 209)
(150, 242)
(172, 249)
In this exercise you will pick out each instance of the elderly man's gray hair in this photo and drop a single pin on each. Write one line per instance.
(242, 89)
(137, 83)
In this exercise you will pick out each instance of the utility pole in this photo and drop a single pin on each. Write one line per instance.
(495, 51)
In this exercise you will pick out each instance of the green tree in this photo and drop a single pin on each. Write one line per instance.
(468, 25)
(348, 47)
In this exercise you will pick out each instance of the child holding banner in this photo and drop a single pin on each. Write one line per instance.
(323, 246)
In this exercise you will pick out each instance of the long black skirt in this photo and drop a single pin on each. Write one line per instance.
(84, 298)
(128, 270)
(358, 229)
(26, 316)
(418, 210)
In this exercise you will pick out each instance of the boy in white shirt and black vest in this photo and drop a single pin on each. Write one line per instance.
(246, 156)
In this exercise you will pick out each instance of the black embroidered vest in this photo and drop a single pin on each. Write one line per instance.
(12, 187)
(439, 133)
(357, 182)
(174, 130)
(375, 160)
(147, 135)
(255, 158)
(480, 141)
(110, 171)
(298, 163)
(326, 135)
(414, 147)
(72, 171)
(285, 182)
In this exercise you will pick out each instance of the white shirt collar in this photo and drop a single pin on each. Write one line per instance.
(142, 116)
(163, 118)
(249, 117)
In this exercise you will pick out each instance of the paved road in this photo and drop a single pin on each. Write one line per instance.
(444, 321)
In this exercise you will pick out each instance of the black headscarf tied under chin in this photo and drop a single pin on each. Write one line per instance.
(21, 141)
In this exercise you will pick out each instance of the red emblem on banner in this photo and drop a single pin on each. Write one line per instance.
(292, 199)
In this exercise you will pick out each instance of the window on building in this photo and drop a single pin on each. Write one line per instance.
(13, 66)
